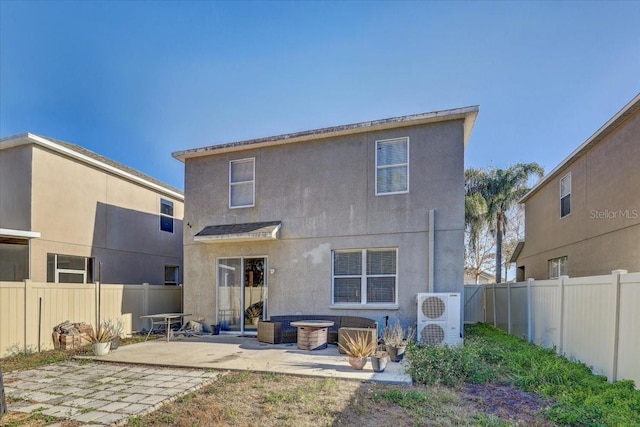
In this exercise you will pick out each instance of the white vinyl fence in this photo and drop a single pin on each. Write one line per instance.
(595, 320)
(29, 310)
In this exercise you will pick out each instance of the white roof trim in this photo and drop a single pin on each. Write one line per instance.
(31, 138)
(7, 232)
(468, 114)
(634, 104)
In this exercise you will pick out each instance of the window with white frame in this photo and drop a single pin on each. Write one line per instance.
(171, 275)
(366, 276)
(565, 195)
(558, 267)
(241, 183)
(166, 215)
(69, 269)
(392, 166)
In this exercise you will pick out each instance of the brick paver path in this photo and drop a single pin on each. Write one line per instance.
(99, 393)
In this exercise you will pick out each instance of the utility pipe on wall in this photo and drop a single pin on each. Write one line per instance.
(432, 237)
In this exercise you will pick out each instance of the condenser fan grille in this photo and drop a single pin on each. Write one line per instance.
(433, 307)
(432, 334)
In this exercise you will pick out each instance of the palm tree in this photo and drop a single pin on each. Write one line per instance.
(500, 189)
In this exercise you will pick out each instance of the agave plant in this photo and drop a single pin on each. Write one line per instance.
(100, 334)
(358, 345)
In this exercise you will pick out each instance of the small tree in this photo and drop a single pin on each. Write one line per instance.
(500, 189)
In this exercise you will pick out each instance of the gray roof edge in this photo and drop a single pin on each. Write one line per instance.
(90, 157)
(470, 112)
(629, 109)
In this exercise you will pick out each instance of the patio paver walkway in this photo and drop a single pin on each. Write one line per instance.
(99, 393)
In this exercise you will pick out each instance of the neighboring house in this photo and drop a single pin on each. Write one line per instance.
(330, 221)
(583, 218)
(68, 215)
(483, 278)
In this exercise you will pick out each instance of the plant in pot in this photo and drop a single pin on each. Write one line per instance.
(358, 348)
(396, 339)
(115, 328)
(253, 313)
(379, 359)
(100, 339)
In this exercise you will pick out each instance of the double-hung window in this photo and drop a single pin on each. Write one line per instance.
(392, 166)
(565, 195)
(242, 183)
(69, 269)
(558, 267)
(166, 215)
(366, 276)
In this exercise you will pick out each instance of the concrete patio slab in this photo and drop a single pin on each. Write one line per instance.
(233, 352)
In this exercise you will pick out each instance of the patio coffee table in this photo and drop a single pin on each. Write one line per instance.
(312, 334)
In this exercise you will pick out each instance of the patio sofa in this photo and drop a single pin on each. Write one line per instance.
(278, 329)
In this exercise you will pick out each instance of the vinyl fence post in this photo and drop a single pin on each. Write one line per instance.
(616, 322)
(28, 289)
(495, 322)
(509, 308)
(561, 316)
(529, 311)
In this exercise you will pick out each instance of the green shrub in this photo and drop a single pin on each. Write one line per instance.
(490, 355)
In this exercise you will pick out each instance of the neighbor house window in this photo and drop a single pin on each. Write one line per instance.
(365, 276)
(166, 215)
(14, 259)
(392, 166)
(558, 267)
(69, 269)
(171, 275)
(565, 196)
(241, 183)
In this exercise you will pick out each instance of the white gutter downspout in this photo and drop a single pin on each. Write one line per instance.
(432, 239)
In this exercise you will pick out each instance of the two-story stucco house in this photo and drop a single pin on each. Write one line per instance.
(583, 218)
(354, 219)
(68, 215)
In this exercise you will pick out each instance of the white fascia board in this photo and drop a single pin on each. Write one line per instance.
(468, 114)
(29, 137)
(634, 103)
(8, 232)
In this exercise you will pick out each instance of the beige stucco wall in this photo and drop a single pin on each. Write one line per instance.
(323, 191)
(602, 233)
(85, 211)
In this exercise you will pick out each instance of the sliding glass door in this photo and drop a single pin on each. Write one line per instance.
(242, 293)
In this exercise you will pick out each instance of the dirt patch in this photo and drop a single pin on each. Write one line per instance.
(508, 403)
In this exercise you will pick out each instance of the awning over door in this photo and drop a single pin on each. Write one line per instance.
(239, 232)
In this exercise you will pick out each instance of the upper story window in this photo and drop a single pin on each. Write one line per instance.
(558, 267)
(69, 269)
(392, 166)
(166, 215)
(242, 183)
(565, 195)
(365, 276)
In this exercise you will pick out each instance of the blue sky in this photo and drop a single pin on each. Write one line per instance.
(136, 81)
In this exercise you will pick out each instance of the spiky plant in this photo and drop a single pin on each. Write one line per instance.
(358, 345)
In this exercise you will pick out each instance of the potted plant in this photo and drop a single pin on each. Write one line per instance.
(396, 339)
(379, 359)
(253, 313)
(100, 339)
(358, 348)
(115, 329)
